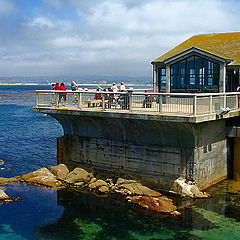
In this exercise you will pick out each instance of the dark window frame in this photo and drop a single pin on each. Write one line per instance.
(194, 74)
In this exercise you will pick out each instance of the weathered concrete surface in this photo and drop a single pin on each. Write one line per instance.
(155, 152)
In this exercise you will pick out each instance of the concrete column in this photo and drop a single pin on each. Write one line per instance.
(155, 78)
(222, 78)
(168, 79)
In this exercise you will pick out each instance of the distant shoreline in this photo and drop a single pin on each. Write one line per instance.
(79, 84)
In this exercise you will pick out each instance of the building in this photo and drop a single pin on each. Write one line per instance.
(202, 63)
(193, 135)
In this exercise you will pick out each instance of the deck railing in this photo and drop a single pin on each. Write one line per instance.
(164, 103)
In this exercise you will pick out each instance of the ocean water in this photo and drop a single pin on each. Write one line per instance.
(28, 142)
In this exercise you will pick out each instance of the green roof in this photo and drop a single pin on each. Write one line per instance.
(223, 45)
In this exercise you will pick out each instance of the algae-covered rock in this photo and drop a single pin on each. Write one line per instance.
(60, 171)
(160, 204)
(78, 175)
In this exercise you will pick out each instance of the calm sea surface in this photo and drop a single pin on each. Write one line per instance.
(28, 142)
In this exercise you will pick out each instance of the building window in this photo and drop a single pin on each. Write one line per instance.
(195, 74)
(162, 79)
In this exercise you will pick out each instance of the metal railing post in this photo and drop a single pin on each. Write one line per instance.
(210, 104)
(160, 103)
(79, 100)
(195, 105)
(224, 100)
(237, 101)
(130, 102)
(103, 102)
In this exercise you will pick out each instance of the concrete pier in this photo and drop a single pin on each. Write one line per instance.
(154, 149)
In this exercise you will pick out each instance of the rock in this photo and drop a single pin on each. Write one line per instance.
(197, 193)
(78, 175)
(79, 184)
(124, 181)
(186, 188)
(93, 180)
(103, 189)
(43, 177)
(60, 171)
(99, 183)
(9, 180)
(160, 204)
(136, 188)
(109, 180)
(3, 195)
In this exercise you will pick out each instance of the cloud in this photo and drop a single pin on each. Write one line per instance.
(6, 8)
(104, 37)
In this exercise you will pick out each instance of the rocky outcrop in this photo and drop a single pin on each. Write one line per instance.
(58, 177)
(60, 171)
(42, 177)
(187, 188)
(9, 180)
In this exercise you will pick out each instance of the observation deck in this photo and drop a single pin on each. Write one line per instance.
(178, 107)
(152, 137)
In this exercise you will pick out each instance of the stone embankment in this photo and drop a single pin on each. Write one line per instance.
(59, 177)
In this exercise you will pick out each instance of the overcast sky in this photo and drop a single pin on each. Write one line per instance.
(102, 37)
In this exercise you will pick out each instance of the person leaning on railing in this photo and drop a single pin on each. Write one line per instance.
(62, 94)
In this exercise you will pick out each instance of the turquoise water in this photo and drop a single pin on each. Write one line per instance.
(28, 142)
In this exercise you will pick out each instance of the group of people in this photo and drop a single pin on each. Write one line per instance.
(112, 99)
(110, 96)
(63, 95)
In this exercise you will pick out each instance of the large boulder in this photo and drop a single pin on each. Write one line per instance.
(78, 175)
(160, 204)
(133, 187)
(186, 188)
(43, 177)
(60, 171)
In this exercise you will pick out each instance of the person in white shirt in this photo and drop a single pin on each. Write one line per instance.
(122, 87)
(114, 87)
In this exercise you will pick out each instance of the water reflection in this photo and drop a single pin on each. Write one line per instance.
(47, 214)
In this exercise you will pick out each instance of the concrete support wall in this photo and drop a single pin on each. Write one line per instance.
(210, 153)
(155, 152)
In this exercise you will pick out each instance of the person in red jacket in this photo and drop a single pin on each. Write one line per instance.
(62, 94)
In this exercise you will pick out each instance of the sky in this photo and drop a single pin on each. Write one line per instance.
(102, 37)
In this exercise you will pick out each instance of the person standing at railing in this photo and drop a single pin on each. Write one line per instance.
(74, 87)
(122, 87)
(114, 87)
(55, 86)
(62, 95)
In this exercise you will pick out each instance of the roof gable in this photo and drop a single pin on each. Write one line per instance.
(222, 45)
